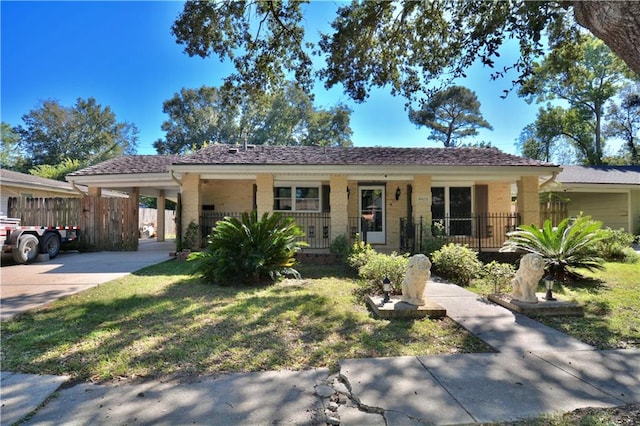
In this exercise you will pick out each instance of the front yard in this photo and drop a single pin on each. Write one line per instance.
(163, 321)
(611, 299)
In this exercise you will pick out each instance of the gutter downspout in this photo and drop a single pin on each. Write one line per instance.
(178, 212)
(175, 179)
(78, 190)
(549, 181)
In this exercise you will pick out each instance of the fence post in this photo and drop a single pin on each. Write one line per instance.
(421, 235)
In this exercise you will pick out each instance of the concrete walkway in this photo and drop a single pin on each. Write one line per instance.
(536, 370)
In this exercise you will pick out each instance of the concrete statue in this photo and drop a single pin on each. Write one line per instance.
(527, 278)
(415, 279)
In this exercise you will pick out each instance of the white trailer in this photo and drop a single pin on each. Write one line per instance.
(26, 242)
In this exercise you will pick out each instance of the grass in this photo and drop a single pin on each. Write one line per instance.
(611, 299)
(164, 321)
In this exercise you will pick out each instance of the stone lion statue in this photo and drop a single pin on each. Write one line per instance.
(527, 278)
(415, 279)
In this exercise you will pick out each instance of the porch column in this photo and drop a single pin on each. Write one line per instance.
(264, 194)
(529, 200)
(134, 195)
(94, 191)
(338, 200)
(422, 199)
(190, 201)
(160, 215)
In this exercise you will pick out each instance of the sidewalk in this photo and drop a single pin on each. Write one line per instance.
(537, 370)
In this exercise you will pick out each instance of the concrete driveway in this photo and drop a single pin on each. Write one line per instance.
(23, 287)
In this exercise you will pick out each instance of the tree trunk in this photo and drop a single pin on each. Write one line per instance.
(617, 23)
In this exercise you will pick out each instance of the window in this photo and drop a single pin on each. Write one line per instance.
(297, 198)
(451, 206)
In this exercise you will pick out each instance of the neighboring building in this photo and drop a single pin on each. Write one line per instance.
(610, 194)
(336, 191)
(15, 184)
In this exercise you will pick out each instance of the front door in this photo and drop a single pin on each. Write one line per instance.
(372, 213)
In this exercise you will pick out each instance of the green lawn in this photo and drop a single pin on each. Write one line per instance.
(164, 321)
(611, 299)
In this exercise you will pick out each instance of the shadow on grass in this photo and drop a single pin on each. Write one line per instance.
(187, 327)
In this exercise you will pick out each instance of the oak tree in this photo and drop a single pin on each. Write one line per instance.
(404, 46)
(86, 131)
(586, 76)
(283, 116)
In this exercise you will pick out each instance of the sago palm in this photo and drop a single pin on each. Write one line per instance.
(250, 250)
(564, 248)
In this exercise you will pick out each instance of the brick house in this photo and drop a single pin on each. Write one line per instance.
(390, 196)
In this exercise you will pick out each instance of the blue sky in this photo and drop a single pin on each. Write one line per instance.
(122, 53)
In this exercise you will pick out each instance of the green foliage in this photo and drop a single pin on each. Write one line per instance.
(624, 123)
(85, 132)
(360, 254)
(498, 276)
(11, 156)
(436, 240)
(403, 46)
(570, 245)
(190, 238)
(250, 250)
(340, 247)
(586, 75)
(613, 246)
(282, 116)
(379, 266)
(58, 171)
(457, 263)
(452, 114)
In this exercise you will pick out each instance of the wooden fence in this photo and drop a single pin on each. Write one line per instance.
(109, 224)
(150, 216)
(556, 210)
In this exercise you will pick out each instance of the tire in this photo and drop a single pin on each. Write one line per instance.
(27, 250)
(51, 245)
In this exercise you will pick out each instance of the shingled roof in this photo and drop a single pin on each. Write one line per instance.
(10, 177)
(378, 156)
(310, 155)
(600, 174)
(129, 164)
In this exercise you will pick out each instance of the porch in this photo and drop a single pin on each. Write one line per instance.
(481, 232)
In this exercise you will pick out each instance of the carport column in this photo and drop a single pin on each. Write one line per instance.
(338, 200)
(264, 194)
(422, 200)
(134, 195)
(160, 215)
(190, 202)
(528, 200)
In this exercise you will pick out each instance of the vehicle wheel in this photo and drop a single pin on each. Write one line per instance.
(51, 245)
(27, 250)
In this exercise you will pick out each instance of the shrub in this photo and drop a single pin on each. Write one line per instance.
(340, 247)
(613, 247)
(382, 265)
(360, 254)
(570, 245)
(189, 239)
(498, 276)
(376, 268)
(457, 263)
(436, 240)
(250, 250)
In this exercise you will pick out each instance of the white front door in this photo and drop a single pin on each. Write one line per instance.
(372, 210)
